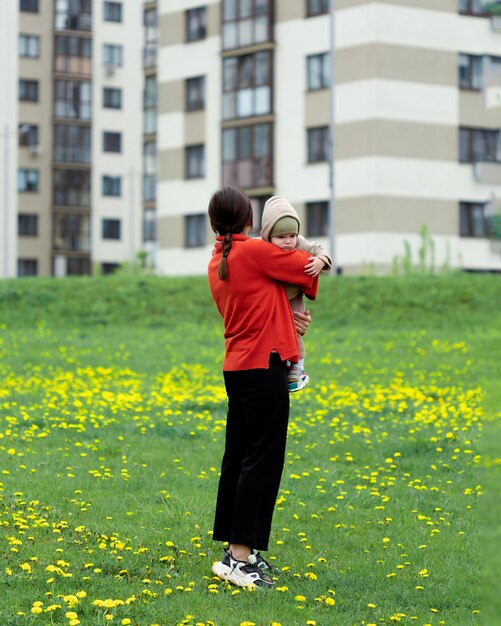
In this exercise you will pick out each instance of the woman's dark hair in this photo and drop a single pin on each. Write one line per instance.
(230, 211)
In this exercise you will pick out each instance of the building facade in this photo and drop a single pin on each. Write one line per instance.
(121, 118)
(244, 97)
(75, 135)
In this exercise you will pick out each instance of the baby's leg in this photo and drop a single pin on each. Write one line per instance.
(297, 304)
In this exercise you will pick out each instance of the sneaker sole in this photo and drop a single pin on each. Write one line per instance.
(224, 572)
(293, 387)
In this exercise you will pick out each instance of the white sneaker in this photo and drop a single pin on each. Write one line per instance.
(297, 379)
(241, 573)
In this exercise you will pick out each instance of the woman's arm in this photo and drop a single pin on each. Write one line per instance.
(302, 320)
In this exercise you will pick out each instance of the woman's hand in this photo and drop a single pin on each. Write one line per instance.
(302, 321)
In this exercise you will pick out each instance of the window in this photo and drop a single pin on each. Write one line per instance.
(318, 68)
(479, 144)
(109, 268)
(28, 134)
(317, 7)
(27, 267)
(112, 11)
(149, 187)
(195, 231)
(195, 93)
(150, 92)
(257, 204)
(196, 24)
(247, 85)
(151, 26)
(247, 156)
(246, 22)
(29, 46)
(149, 225)
(473, 221)
(73, 15)
(71, 232)
(111, 229)
(318, 144)
(73, 54)
(112, 98)
(29, 6)
(149, 121)
(317, 216)
(195, 161)
(73, 99)
(112, 142)
(72, 143)
(27, 225)
(27, 180)
(112, 186)
(77, 266)
(28, 90)
(71, 188)
(472, 7)
(112, 54)
(470, 71)
(150, 157)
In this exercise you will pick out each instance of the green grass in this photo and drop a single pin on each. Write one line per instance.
(112, 417)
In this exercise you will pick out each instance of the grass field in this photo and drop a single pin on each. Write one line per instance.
(112, 414)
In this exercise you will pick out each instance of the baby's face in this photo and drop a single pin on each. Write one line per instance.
(286, 242)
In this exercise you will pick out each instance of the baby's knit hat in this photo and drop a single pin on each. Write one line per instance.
(285, 226)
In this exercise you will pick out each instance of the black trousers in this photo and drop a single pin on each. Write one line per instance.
(256, 434)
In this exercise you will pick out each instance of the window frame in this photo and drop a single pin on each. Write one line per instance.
(111, 229)
(195, 230)
(195, 93)
(243, 157)
(311, 139)
(196, 152)
(29, 263)
(195, 24)
(471, 10)
(29, 137)
(28, 87)
(29, 6)
(109, 98)
(28, 180)
(467, 220)
(317, 218)
(245, 79)
(470, 136)
(24, 45)
(313, 11)
(109, 6)
(27, 225)
(325, 80)
(252, 28)
(112, 141)
(111, 186)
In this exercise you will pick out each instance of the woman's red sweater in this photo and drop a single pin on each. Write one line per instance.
(252, 301)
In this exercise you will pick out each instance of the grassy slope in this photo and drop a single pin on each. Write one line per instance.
(374, 324)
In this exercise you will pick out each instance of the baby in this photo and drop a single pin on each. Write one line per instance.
(280, 226)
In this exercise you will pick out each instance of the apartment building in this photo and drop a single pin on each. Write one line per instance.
(245, 97)
(74, 135)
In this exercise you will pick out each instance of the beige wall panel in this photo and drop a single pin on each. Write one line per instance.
(397, 139)
(194, 128)
(290, 10)
(171, 97)
(390, 214)
(317, 108)
(172, 29)
(214, 20)
(170, 231)
(437, 5)
(472, 111)
(386, 61)
(171, 164)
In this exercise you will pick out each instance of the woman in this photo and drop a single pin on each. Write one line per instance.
(245, 278)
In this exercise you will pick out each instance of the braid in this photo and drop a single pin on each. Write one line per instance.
(223, 265)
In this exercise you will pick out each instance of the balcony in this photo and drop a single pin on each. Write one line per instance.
(487, 173)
